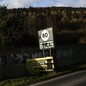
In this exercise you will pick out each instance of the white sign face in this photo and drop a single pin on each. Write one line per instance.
(47, 45)
(45, 35)
(46, 38)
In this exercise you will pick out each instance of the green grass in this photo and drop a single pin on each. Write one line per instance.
(15, 82)
(40, 77)
(26, 80)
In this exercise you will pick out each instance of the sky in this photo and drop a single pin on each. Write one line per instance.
(42, 3)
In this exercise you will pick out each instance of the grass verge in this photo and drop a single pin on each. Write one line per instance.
(23, 81)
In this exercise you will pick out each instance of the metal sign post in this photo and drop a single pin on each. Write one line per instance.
(50, 51)
(43, 53)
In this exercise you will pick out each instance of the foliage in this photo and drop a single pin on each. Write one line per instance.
(27, 80)
(18, 27)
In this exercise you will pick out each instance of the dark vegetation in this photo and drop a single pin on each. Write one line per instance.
(18, 27)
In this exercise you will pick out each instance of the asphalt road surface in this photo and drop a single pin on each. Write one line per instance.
(73, 79)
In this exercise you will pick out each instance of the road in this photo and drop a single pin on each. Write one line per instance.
(73, 79)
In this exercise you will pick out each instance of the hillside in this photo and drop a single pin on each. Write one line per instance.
(19, 27)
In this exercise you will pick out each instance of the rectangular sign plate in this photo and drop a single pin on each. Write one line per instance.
(46, 45)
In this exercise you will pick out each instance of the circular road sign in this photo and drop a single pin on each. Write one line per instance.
(45, 35)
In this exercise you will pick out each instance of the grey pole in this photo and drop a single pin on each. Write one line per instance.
(43, 53)
(50, 51)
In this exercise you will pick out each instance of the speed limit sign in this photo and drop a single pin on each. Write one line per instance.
(45, 35)
(46, 38)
